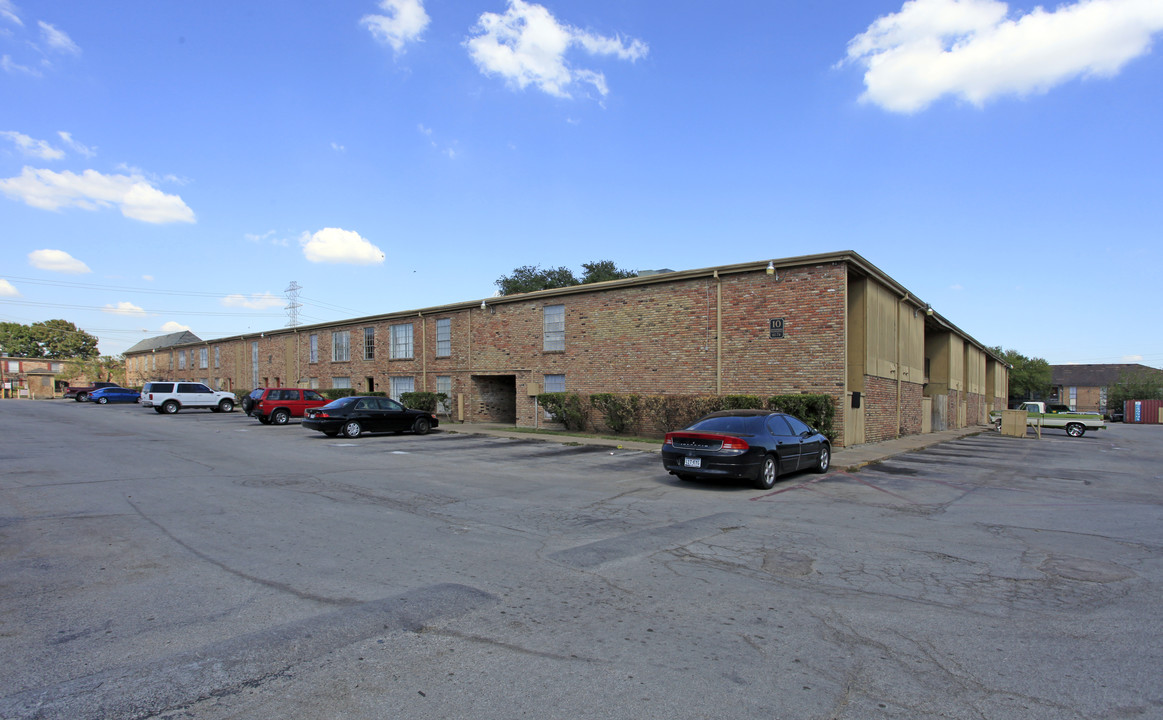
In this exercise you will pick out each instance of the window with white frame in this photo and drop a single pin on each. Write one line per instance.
(444, 385)
(341, 346)
(314, 343)
(443, 337)
(217, 356)
(203, 358)
(313, 383)
(181, 359)
(341, 382)
(401, 342)
(401, 385)
(554, 383)
(554, 328)
(369, 343)
(154, 362)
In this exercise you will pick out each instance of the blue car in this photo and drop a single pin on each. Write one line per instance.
(102, 396)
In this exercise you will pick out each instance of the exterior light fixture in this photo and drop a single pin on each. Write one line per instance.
(928, 309)
(483, 305)
(770, 267)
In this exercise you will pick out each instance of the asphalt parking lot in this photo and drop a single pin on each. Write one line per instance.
(206, 566)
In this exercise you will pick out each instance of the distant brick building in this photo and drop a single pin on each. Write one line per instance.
(831, 324)
(1084, 387)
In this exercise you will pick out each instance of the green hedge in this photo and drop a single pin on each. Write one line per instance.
(621, 413)
(426, 401)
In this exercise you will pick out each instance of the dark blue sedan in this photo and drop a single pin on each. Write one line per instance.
(754, 445)
(104, 396)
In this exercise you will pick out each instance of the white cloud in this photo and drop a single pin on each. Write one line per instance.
(91, 190)
(974, 50)
(124, 308)
(333, 245)
(338, 148)
(8, 12)
(57, 261)
(7, 289)
(527, 46)
(405, 22)
(1132, 358)
(76, 146)
(254, 302)
(172, 326)
(30, 146)
(57, 39)
(12, 67)
(147, 278)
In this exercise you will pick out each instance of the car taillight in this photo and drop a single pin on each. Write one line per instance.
(319, 414)
(728, 442)
(733, 443)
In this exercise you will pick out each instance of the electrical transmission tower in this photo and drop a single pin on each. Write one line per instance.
(293, 304)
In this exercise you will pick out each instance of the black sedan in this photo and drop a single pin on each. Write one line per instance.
(353, 416)
(755, 445)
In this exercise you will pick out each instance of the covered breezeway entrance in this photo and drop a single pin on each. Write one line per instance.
(496, 398)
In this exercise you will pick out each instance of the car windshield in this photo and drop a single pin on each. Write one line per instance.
(735, 424)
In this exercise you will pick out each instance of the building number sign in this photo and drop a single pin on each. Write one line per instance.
(776, 327)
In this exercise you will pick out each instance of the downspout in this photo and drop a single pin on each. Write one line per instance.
(898, 363)
(718, 334)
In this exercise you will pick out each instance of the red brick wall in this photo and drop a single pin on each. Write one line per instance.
(880, 409)
(646, 339)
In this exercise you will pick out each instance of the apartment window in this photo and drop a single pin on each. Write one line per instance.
(57, 367)
(554, 329)
(254, 364)
(181, 359)
(154, 362)
(313, 383)
(401, 342)
(314, 344)
(443, 337)
(341, 382)
(444, 385)
(203, 358)
(401, 385)
(14, 366)
(217, 357)
(1073, 398)
(554, 383)
(341, 347)
(369, 343)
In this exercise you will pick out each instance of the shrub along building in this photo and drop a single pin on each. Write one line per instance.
(830, 324)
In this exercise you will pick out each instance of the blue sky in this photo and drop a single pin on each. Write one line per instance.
(177, 165)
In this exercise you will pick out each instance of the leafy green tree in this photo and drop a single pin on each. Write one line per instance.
(604, 270)
(530, 278)
(62, 339)
(1029, 377)
(55, 339)
(19, 340)
(1139, 384)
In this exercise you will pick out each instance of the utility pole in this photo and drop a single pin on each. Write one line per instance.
(293, 304)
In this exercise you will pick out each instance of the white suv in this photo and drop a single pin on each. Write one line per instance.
(170, 397)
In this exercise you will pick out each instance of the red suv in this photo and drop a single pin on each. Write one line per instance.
(278, 405)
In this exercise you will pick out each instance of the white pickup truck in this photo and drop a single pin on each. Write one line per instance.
(1074, 423)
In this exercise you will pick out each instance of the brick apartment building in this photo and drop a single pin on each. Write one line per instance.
(829, 323)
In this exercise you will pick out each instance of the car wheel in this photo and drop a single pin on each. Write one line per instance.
(102, 400)
(1075, 430)
(263, 419)
(170, 407)
(824, 460)
(768, 473)
(158, 410)
(421, 426)
(352, 429)
(82, 397)
(226, 406)
(280, 417)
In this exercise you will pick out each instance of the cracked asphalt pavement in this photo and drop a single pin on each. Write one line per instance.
(203, 565)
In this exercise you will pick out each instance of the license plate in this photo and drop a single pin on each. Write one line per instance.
(692, 462)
